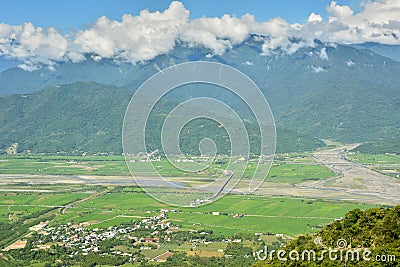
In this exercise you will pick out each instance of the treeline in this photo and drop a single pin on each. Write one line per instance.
(59, 257)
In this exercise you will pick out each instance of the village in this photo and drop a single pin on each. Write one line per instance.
(79, 239)
(126, 240)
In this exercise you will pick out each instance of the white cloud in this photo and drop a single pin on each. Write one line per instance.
(143, 37)
(323, 55)
(377, 22)
(314, 18)
(317, 69)
(339, 12)
(218, 34)
(349, 63)
(96, 58)
(135, 39)
(34, 45)
(28, 66)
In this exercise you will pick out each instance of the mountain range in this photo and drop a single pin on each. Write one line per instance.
(329, 91)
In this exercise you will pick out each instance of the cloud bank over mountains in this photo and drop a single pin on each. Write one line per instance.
(139, 38)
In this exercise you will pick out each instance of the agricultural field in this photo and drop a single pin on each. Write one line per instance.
(290, 216)
(90, 165)
(297, 173)
(39, 199)
(17, 205)
(63, 165)
(374, 159)
(288, 168)
(115, 205)
(44, 196)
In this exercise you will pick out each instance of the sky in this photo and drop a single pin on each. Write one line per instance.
(44, 33)
(70, 15)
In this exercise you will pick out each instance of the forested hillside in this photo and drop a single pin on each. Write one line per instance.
(377, 230)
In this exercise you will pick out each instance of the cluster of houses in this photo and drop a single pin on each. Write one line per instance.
(83, 240)
(142, 234)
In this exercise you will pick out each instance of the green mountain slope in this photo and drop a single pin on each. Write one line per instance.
(81, 116)
(87, 117)
(328, 92)
(351, 104)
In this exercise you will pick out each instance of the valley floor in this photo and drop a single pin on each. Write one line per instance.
(348, 181)
(109, 213)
